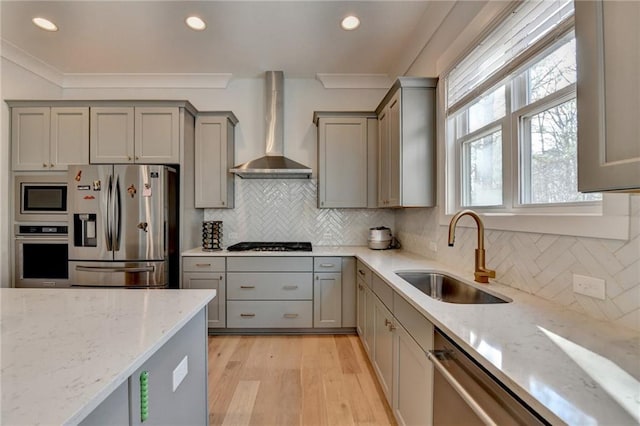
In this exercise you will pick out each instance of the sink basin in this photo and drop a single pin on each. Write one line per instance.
(448, 289)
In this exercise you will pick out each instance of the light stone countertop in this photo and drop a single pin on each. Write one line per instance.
(65, 350)
(570, 368)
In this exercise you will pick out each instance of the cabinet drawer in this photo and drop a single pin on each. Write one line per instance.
(327, 264)
(364, 273)
(203, 264)
(270, 286)
(270, 264)
(414, 322)
(269, 314)
(383, 291)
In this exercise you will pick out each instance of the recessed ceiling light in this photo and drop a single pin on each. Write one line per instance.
(350, 22)
(195, 23)
(45, 24)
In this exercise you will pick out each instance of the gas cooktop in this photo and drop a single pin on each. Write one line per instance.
(270, 246)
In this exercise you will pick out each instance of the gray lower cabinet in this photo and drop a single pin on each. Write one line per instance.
(396, 337)
(383, 326)
(270, 292)
(208, 273)
(608, 59)
(170, 388)
(327, 292)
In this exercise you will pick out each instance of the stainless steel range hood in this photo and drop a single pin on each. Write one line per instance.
(274, 165)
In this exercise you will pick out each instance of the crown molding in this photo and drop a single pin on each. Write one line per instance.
(30, 63)
(48, 72)
(355, 81)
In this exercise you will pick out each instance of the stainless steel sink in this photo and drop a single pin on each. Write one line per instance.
(448, 289)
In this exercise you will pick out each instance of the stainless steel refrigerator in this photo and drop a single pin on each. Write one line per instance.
(123, 226)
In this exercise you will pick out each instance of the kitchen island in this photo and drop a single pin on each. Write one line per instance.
(66, 351)
(571, 369)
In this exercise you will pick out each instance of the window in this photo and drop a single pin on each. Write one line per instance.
(512, 117)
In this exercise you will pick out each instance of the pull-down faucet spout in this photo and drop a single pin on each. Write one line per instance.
(481, 274)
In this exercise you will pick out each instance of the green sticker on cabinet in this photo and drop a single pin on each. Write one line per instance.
(144, 396)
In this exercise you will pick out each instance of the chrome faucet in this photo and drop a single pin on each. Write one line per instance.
(482, 274)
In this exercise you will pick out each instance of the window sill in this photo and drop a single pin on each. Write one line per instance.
(613, 223)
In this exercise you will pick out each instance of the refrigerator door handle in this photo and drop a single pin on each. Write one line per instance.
(107, 215)
(117, 215)
(116, 268)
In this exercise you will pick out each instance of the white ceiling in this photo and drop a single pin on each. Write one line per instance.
(243, 38)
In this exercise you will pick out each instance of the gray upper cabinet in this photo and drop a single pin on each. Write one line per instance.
(214, 152)
(406, 148)
(608, 55)
(346, 159)
(49, 138)
(145, 135)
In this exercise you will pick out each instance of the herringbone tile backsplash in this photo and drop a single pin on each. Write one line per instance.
(542, 264)
(285, 210)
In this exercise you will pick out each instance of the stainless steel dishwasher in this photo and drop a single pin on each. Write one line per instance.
(465, 394)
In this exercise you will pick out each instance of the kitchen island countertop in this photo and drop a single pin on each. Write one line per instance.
(570, 368)
(65, 350)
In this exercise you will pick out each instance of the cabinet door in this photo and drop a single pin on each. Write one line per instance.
(608, 56)
(175, 378)
(30, 129)
(69, 137)
(412, 381)
(342, 162)
(383, 158)
(216, 311)
(327, 300)
(157, 135)
(395, 153)
(214, 183)
(361, 307)
(111, 135)
(369, 337)
(383, 325)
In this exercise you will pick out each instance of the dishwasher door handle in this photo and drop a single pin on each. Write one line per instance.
(433, 356)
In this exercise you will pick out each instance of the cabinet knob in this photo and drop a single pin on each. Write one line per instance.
(223, 203)
(137, 158)
(51, 165)
(361, 272)
(392, 327)
(221, 277)
(360, 287)
(129, 158)
(44, 164)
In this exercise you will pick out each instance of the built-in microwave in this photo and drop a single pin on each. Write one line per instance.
(41, 198)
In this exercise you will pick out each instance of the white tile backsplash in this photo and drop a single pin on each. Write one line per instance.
(542, 264)
(285, 210)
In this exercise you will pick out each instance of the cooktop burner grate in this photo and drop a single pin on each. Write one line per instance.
(270, 246)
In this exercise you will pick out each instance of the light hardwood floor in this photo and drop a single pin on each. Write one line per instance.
(293, 380)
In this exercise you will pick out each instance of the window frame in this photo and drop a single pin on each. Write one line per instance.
(599, 219)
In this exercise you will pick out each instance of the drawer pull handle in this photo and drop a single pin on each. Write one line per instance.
(326, 265)
(290, 287)
(291, 315)
(247, 315)
(387, 322)
(361, 272)
(203, 265)
(247, 286)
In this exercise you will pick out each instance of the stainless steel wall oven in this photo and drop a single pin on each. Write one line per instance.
(41, 256)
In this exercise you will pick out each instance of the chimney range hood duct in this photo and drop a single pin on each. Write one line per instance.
(274, 165)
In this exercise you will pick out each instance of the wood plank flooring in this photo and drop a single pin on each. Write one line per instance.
(293, 380)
